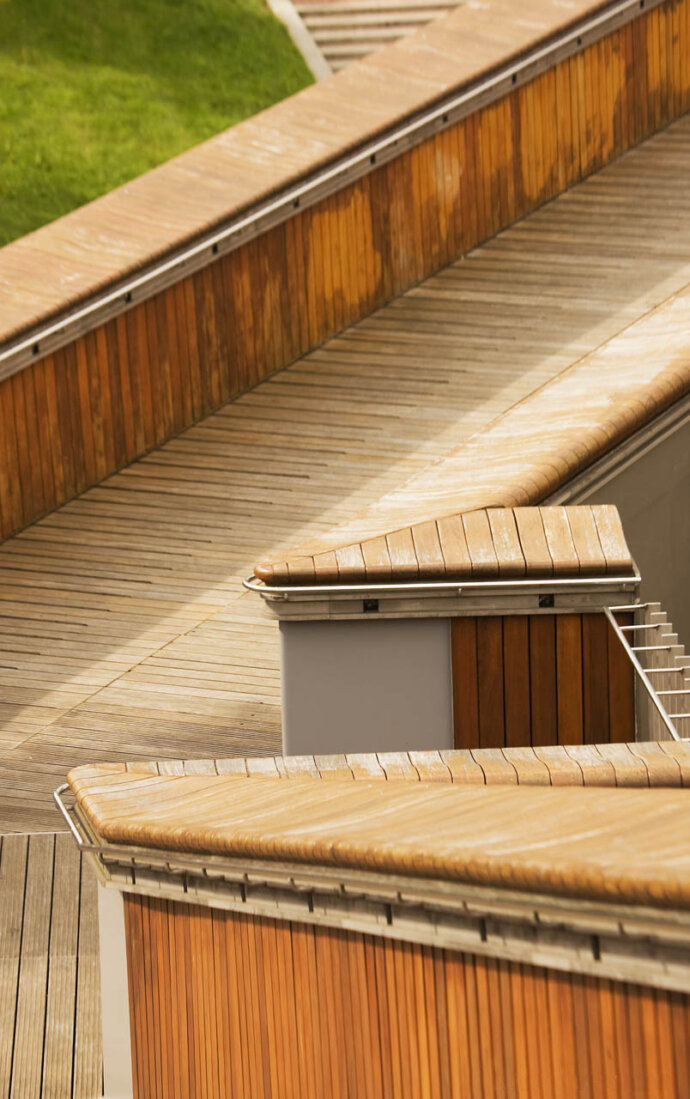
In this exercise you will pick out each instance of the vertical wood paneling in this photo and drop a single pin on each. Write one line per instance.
(569, 678)
(113, 394)
(465, 682)
(516, 681)
(539, 680)
(490, 682)
(542, 666)
(595, 677)
(226, 1004)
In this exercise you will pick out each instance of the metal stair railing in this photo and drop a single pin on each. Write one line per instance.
(661, 669)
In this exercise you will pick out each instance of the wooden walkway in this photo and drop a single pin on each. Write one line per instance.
(49, 980)
(124, 630)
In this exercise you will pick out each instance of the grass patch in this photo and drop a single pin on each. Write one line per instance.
(95, 92)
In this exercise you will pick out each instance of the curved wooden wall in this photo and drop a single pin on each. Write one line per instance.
(240, 1007)
(81, 413)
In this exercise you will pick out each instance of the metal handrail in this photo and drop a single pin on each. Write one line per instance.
(372, 154)
(371, 588)
(82, 844)
(670, 727)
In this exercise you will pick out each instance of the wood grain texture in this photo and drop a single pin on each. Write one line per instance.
(124, 629)
(478, 835)
(136, 380)
(372, 1018)
(50, 1030)
(554, 679)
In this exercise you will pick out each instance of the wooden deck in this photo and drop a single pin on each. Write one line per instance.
(124, 630)
(49, 979)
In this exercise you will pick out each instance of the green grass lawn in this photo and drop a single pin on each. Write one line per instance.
(95, 92)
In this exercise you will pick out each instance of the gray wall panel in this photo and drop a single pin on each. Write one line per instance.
(364, 686)
(653, 497)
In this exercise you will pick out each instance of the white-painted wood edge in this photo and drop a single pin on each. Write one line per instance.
(117, 1050)
(287, 13)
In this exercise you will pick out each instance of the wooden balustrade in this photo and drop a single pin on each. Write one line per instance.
(239, 1006)
(108, 396)
(521, 680)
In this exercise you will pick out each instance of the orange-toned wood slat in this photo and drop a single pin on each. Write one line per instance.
(516, 685)
(465, 682)
(490, 682)
(595, 678)
(280, 1008)
(135, 381)
(540, 680)
(543, 689)
(569, 678)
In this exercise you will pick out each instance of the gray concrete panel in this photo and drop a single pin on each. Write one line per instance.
(653, 497)
(365, 686)
(117, 1053)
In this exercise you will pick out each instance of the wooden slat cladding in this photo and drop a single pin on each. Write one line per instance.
(77, 415)
(226, 1004)
(539, 680)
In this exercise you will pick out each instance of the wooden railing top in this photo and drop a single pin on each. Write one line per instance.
(616, 845)
(486, 544)
(61, 266)
(520, 459)
(642, 763)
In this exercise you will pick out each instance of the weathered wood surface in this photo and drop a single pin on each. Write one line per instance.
(123, 630)
(624, 845)
(641, 763)
(379, 1018)
(151, 216)
(481, 544)
(50, 1041)
(108, 396)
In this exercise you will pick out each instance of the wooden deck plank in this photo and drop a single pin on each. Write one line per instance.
(13, 860)
(88, 1069)
(62, 970)
(27, 1061)
(124, 630)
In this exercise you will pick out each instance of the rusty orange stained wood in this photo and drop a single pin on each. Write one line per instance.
(225, 328)
(176, 202)
(372, 1016)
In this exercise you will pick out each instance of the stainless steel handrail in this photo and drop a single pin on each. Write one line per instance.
(82, 844)
(670, 727)
(367, 590)
(370, 155)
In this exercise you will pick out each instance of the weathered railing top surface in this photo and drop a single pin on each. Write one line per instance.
(520, 458)
(484, 544)
(97, 247)
(621, 845)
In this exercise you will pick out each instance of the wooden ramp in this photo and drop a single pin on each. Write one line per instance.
(49, 979)
(124, 629)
